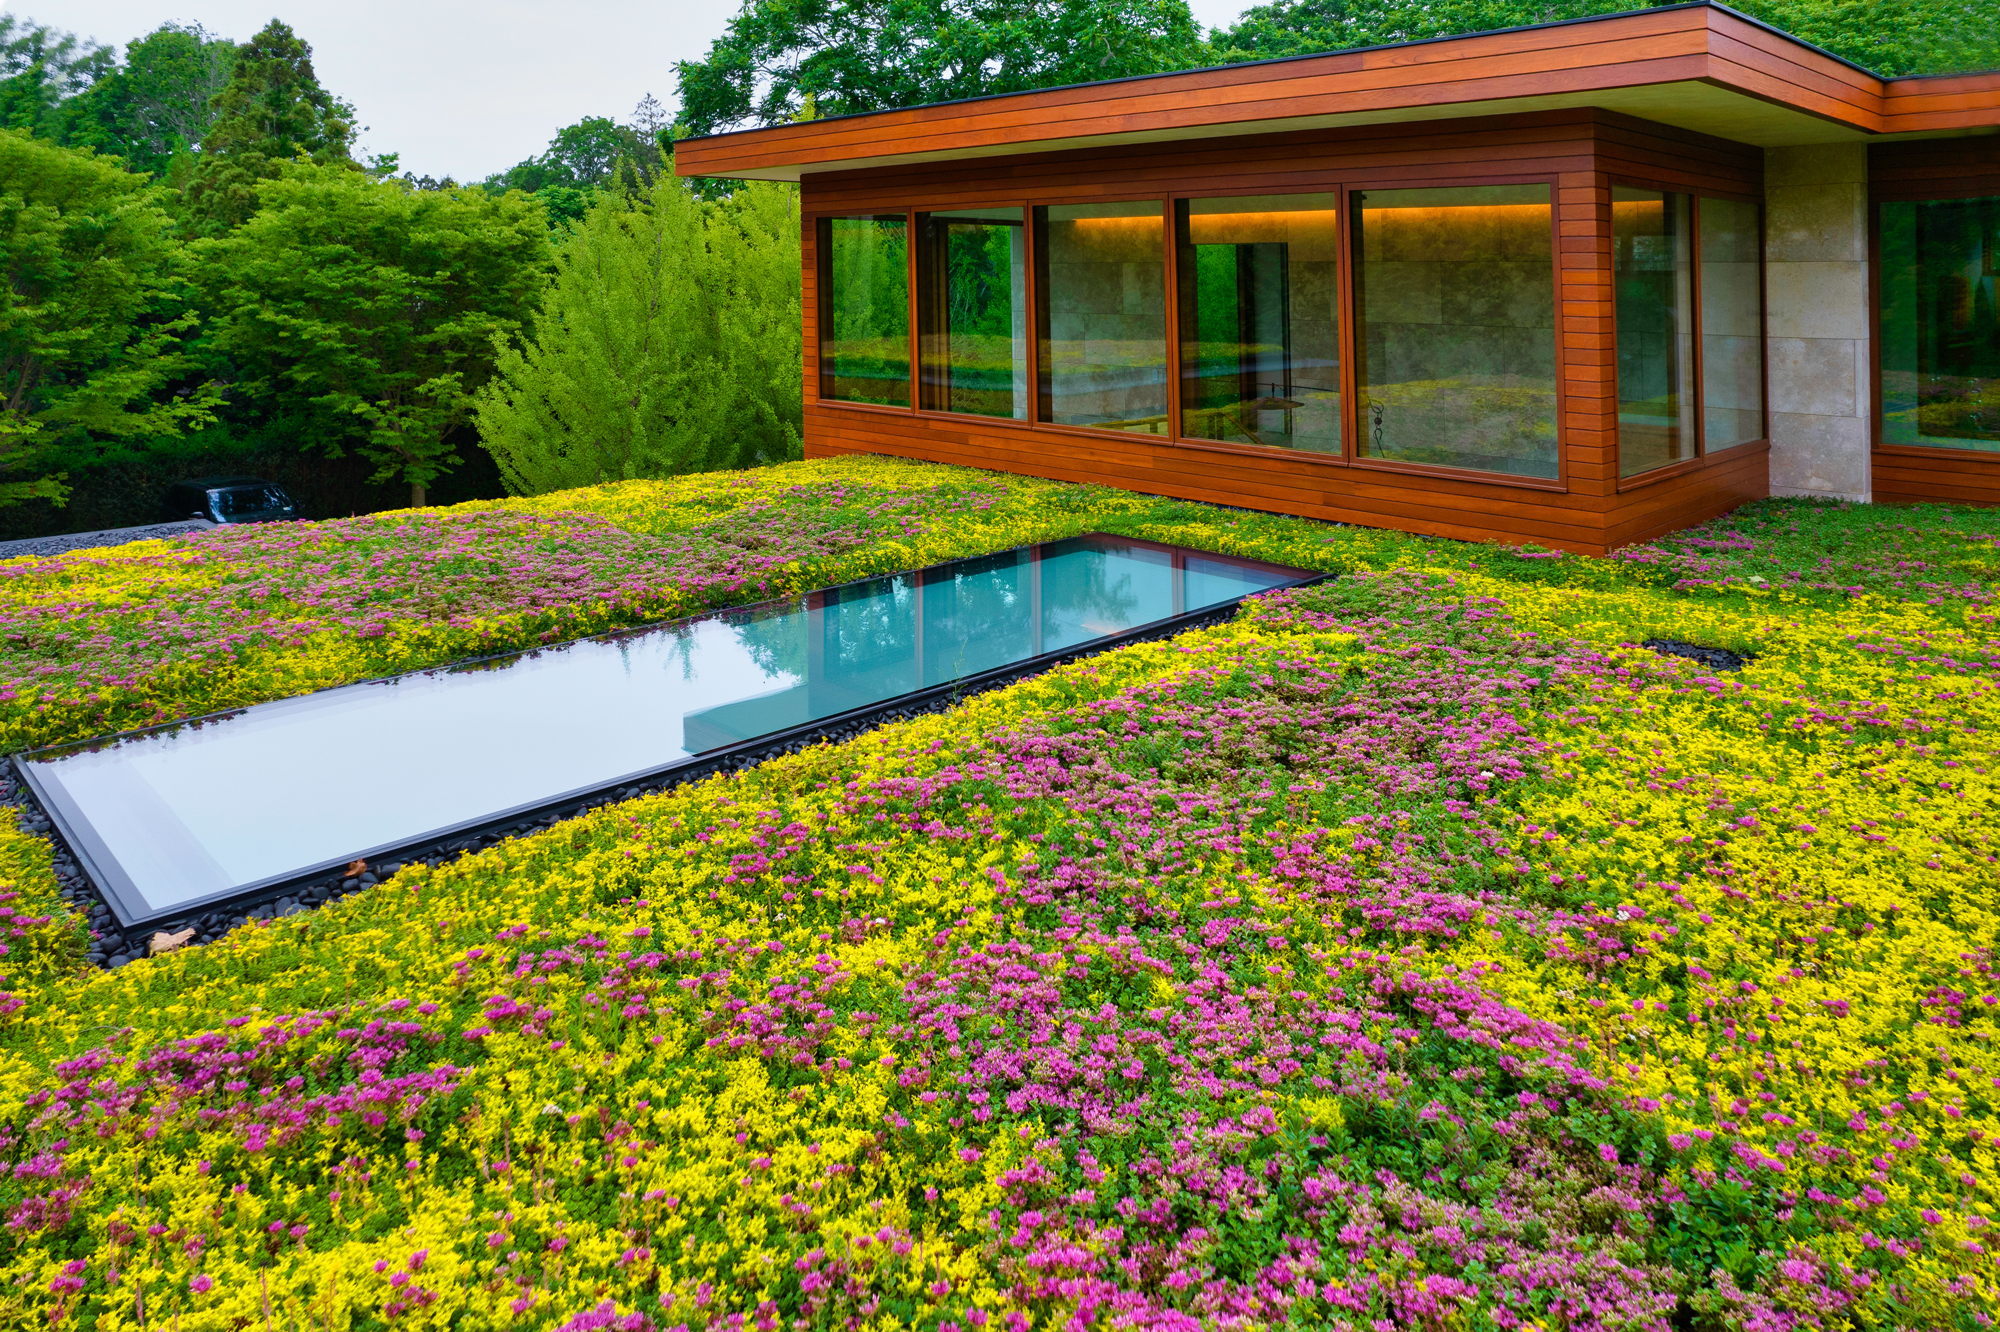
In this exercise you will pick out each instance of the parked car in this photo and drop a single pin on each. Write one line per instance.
(230, 499)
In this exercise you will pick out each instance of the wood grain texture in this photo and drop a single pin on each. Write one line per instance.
(1958, 101)
(1611, 52)
(1934, 168)
(1588, 56)
(1907, 478)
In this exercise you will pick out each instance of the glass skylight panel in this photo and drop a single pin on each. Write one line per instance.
(204, 811)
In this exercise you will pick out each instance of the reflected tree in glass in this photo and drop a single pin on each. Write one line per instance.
(1102, 315)
(972, 312)
(1260, 320)
(1652, 276)
(1455, 327)
(1940, 334)
(864, 334)
(1732, 324)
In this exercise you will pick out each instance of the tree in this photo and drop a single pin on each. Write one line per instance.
(867, 55)
(90, 336)
(668, 343)
(366, 312)
(42, 70)
(583, 156)
(155, 105)
(753, 285)
(161, 102)
(1892, 37)
(271, 111)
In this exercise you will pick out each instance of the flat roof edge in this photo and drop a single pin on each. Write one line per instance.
(1624, 14)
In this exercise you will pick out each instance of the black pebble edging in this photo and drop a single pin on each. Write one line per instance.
(113, 946)
(1715, 658)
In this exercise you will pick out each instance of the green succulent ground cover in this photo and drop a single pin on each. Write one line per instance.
(1412, 951)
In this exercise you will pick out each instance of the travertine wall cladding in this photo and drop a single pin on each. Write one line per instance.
(1817, 319)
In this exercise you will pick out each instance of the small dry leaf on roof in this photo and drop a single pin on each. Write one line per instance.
(167, 943)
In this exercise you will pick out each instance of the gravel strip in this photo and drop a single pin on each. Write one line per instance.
(115, 536)
(112, 947)
(1715, 658)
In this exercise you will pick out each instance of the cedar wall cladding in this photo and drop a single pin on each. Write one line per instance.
(1582, 153)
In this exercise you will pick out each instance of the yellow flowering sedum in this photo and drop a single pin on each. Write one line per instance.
(1416, 950)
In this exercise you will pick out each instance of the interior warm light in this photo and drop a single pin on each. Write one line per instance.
(1221, 228)
(1500, 212)
(1150, 220)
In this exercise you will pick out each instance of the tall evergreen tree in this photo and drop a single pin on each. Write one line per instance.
(271, 111)
(668, 343)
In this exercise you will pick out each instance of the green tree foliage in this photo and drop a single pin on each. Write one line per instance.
(1892, 37)
(864, 55)
(42, 72)
(669, 342)
(271, 111)
(367, 312)
(160, 103)
(594, 154)
(91, 332)
(582, 155)
(149, 109)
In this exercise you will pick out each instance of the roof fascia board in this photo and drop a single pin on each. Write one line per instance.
(1601, 54)
(820, 143)
(1415, 44)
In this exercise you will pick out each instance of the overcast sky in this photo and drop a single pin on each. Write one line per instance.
(457, 88)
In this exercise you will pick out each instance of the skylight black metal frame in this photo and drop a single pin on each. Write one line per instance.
(120, 894)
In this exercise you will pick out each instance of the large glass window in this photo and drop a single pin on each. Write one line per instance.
(972, 312)
(1940, 337)
(1102, 316)
(1260, 320)
(1653, 286)
(864, 331)
(1732, 325)
(1455, 327)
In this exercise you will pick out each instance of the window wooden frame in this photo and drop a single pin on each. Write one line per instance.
(1702, 458)
(1342, 189)
(1915, 195)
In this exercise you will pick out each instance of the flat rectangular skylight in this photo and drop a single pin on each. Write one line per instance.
(194, 813)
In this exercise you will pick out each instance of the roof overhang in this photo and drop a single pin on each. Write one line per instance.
(1700, 67)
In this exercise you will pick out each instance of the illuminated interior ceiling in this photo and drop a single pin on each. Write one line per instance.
(1706, 108)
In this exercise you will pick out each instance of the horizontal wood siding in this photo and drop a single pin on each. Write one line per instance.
(1930, 105)
(1940, 168)
(1621, 51)
(1579, 152)
(1912, 478)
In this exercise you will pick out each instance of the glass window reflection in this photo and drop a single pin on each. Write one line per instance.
(1260, 320)
(1455, 327)
(1102, 315)
(1940, 334)
(1732, 325)
(864, 333)
(1652, 274)
(972, 312)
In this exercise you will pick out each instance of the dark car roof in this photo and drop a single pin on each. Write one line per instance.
(215, 482)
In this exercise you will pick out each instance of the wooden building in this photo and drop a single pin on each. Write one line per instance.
(1578, 284)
